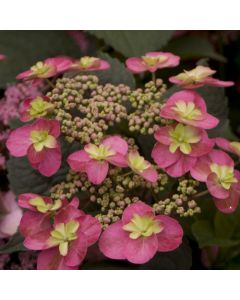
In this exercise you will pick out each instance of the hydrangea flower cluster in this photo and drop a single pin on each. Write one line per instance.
(122, 186)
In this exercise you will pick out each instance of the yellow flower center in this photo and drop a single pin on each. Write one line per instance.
(63, 234)
(137, 162)
(44, 207)
(99, 152)
(87, 61)
(142, 226)
(187, 110)
(41, 139)
(152, 61)
(39, 107)
(195, 75)
(225, 175)
(40, 69)
(236, 147)
(182, 137)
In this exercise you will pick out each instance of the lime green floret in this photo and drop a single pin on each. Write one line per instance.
(152, 61)
(225, 175)
(195, 75)
(99, 152)
(187, 110)
(39, 108)
(40, 68)
(41, 139)
(44, 207)
(63, 235)
(235, 146)
(137, 163)
(182, 137)
(87, 61)
(142, 226)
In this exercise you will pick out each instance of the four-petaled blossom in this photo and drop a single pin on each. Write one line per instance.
(178, 148)
(34, 108)
(65, 242)
(141, 166)
(232, 147)
(10, 214)
(48, 68)
(152, 61)
(94, 160)
(88, 63)
(198, 77)
(140, 234)
(223, 182)
(188, 107)
(39, 142)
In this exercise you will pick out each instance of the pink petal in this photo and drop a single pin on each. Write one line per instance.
(150, 174)
(35, 157)
(77, 251)
(172, 60)
(141, 250)
(77, 160)
(162, 135)
(201, 169)
(135, 64)
(216, 82)
(67, 214)
(33, 222)
(75, 202)
(118, 144)
(51, 260)
(19, 141)
(171, 237)
(38, 241)
(52, 126)
(203, 147)
(62, 63)
(118, 160)
(215, 188)
(91, 228)
(183, 165)
(139, 208)
(221, 158)
(97, 171)
(9, 222)
(24, 75)
(163, 157)
(113, 240)
(228, 205)
(23, 200)
(51, 162)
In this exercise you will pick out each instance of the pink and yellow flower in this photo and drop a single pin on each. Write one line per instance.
(178, 148)
(34, 108)
(39, 142)
(48, 68)
(223, 182)
(141, 166)
(10, 215)
(94, 160)
(64, 243)
(152, 61)
(139, 235)
(232, 147)
(188, 107)
(198, 77)
(88, 63)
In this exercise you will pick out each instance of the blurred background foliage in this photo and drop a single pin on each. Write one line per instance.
(212, 239)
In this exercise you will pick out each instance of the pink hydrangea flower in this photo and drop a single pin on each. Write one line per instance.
(2, 57)
(198, 77)
(152, 61)
(48, 68)
(140, 234)
(141, 166)
(94, 160)
(232, 147)
(10, 214)
(178, 148)
(88, 63)
(34, 108)
(188, 107)
(39, 142)
(65, 242)
(223, 182)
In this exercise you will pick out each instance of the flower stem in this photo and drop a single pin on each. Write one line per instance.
(154, 77)
(50, 83)
(203, 193)
(126, 174)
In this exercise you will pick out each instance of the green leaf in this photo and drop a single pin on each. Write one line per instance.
(15, 244)
(24, 179)
(134, 43)
(25, 48)
(117, 74)
(193, 47)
